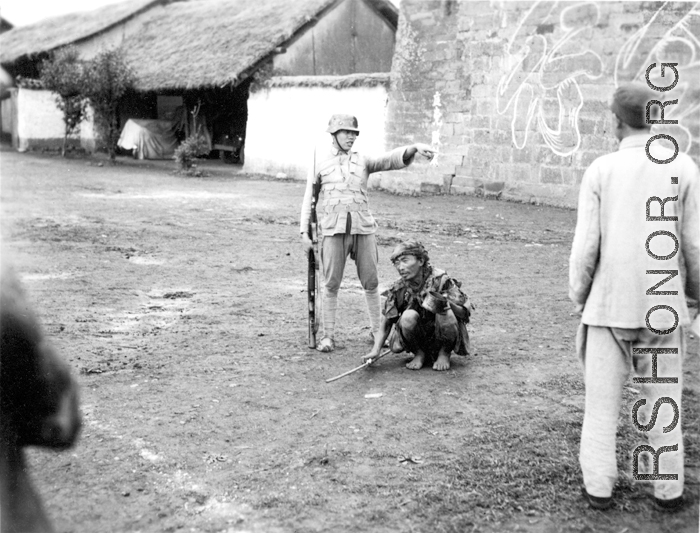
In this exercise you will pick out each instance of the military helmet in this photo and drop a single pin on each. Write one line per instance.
(342, 122)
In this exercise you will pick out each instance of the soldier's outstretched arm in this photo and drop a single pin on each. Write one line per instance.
(398, 158)
(419, 148)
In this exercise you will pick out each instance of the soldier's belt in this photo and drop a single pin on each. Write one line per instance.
(346, 208)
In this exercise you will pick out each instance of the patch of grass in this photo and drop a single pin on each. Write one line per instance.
(504, 472)
(564, 384)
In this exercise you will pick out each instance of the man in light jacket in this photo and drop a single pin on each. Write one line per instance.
(633, 275)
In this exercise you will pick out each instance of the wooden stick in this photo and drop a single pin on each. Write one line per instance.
(363, 365)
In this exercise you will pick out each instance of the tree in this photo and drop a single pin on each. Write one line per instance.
(63, 74)
(107, 78)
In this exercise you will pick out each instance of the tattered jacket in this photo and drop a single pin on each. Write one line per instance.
(401, 297)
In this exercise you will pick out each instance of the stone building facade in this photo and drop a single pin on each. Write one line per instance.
(515, 95)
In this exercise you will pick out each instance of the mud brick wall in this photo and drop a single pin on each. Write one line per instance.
(516, 94)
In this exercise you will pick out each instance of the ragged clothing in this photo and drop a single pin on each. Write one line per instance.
(402, 297)
(344, 207)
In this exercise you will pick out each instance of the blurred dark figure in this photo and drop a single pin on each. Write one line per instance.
(38, 407)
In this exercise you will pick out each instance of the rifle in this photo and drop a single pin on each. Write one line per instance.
(313, 282)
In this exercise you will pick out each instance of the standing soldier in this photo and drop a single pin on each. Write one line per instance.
(345, 223)
(610, 275)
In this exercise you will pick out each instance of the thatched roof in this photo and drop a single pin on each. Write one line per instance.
(189, 43)
(55, 32)
(199, 43)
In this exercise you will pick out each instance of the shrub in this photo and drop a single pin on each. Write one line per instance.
(192, 147)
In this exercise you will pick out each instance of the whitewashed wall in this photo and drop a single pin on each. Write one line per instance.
(40, 123)
(284, 124)
(6, 114)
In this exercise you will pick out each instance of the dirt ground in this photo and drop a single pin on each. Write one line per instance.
(181, 305)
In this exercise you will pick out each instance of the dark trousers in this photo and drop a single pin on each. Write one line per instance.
(424, 331)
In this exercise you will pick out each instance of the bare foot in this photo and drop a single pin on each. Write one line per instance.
(417, 362)
(442, 362)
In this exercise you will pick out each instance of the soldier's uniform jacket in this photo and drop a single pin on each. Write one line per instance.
(401, 297)
(343, 179)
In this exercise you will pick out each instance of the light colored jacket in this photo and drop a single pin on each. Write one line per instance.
(343, 180)
(609, 260)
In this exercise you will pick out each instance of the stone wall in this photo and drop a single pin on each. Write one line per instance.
(515, 95)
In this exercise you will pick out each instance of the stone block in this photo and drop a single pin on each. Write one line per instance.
(467, 182)
(452, 117)
(587, 126)
(479, 123)
(447, 130)
(430, 188)
(550, 175)
(569, 175)
(540, 194)
(485, 106)
(468, 191)
(522, 155)
(474, 8)
(420, 16)
(500, 137)
(453, 87)
(450, 160)
(481, 91)
(502, 122)
(505, 154)
(523, 173)
(459, 129)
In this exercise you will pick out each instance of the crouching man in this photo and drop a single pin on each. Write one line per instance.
(425, 312)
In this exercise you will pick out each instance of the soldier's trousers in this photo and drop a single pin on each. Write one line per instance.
(334, 253)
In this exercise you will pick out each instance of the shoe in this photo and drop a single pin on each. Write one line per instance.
(671, 505)
(596, 502)
(325, 345)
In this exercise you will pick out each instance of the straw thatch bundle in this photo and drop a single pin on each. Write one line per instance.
(55, 32)
(372, 79)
